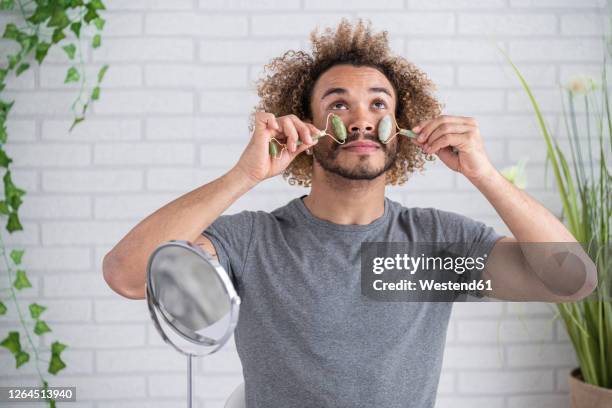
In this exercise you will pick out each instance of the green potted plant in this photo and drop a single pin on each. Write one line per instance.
(585, 189)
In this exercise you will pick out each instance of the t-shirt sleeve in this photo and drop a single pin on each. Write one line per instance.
(474, 237)
(230, 234)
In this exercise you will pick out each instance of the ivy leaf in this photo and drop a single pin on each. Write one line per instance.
(22, 67)
(58, 35)
(4, 159)
(59, 18)
(21, 358)
(41, 14)
(72, 75)
(13, 60)
(97, 40)
(3, 134)
(90, 15)
(11, 342)
(13, 223)
(76, 29)
(96, 5)
(56, 363)
(4, 208)
(41, 327)
(10, 31)
(2, 308)
(41, 51)
(36, 310)
(21, 281)
(101, 72)
(3, 73)
(95, 94)
(99, 23)
(70, 50)
(16, 255)
(7, 4)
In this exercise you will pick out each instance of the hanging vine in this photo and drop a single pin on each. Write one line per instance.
(39, 26)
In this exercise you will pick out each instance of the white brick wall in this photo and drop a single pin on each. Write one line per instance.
(173, 115)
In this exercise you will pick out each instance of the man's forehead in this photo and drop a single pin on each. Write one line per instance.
(345, 79)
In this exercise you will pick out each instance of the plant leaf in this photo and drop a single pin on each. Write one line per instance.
(11, 342)
(21, 280)
(76, 28)
(72, 75)
(56, 363)
(4, 159)
(22, 67)
(16, 255)
(95, 93)
(70, 50)
(21, 357)
(58, 35)
(99, 23)
(97, 40)
(41, 51)
(2, 308)
(101, 72)
(41, 327)
(10, 31)
(13, 223)
(36, 310)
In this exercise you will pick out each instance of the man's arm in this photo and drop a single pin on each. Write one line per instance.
(512, 271)
(513, 261)
(185, 218)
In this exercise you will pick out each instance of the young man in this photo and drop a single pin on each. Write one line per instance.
(306, 338)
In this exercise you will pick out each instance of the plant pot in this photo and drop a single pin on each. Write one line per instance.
(583, 395)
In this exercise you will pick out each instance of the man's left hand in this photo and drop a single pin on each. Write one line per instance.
(441, 134)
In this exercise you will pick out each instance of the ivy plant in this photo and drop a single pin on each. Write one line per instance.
(37, 26)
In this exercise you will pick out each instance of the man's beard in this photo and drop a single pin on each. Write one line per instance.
(362, 171)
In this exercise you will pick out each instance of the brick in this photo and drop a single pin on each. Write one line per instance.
(226, 102)
(556, 3)
(117, 76)
(200, 128)
(148, 4)
(462, 357)
(507, 383)
(190, 23)
(455, 4)
(120, 310)
(98, 336)
(541, 355)
(145, 49)
(509, 331)
(91, 130)
(297, 24)
(541, 401)
(244, 51)
(20, 130)
(469, 402)
(241, 5)
(122, 24)
(92, 180)
(43, 258)
(553, 50)
(143, 153)
(149, 359)
(49, 154)
(494, 76)
(507, 24)
(82, 232)
(450, 50)
(80, 285)
(52, 207)
(191, 76)
(146, 102)
(472, 102)
(432, 23)
(105, 387)
(133, 207)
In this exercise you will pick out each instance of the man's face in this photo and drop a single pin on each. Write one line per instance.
(360, 96)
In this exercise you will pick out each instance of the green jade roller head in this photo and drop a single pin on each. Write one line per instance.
(385, 131)
(337, 125)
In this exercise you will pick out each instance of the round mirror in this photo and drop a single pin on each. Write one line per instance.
(191, 299)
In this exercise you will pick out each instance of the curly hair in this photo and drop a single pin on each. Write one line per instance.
(288, 83)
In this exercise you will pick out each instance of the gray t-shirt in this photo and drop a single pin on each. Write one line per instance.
(306, 336)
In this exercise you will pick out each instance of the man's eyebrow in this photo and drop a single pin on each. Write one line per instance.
(340, 91)
(330, 91)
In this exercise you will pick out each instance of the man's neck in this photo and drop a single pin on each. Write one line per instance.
(342, 201)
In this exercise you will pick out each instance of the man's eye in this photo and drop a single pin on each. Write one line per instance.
(380, 105)
(338, 105)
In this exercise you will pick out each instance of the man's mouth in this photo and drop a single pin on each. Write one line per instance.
(362, 146)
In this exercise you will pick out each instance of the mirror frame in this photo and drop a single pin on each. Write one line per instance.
(230, 291)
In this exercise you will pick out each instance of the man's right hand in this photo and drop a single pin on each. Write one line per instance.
(256, 161)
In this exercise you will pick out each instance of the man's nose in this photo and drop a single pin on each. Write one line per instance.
(361, 125)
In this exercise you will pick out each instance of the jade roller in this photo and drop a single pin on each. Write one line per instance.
(385, 131)
(337, 126)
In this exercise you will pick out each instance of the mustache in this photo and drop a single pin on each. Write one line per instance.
(352, 136)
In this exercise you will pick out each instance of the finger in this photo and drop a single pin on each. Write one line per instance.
(446, 128)
(265, 120)
(302, 129)
(315, 132)
(448, 140)
(288, 129)
(426, 131)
